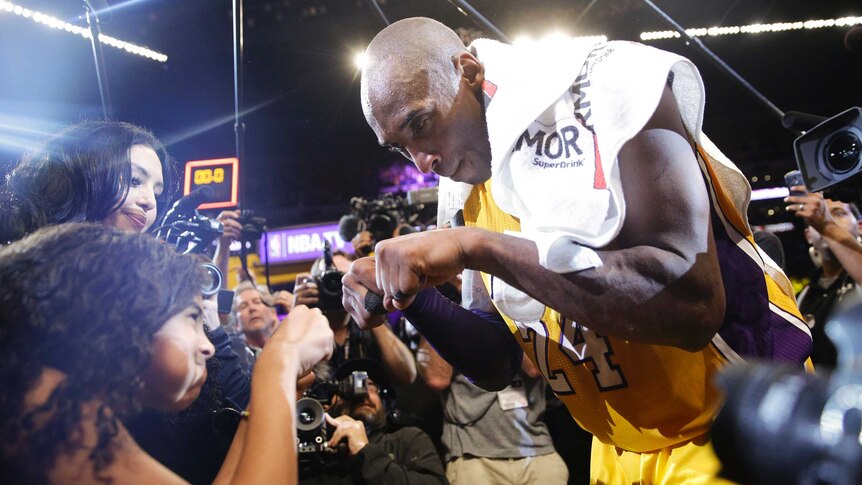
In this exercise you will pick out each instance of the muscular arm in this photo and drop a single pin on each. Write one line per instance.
(660, 281)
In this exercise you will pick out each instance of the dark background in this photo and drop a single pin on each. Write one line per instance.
(308, 149)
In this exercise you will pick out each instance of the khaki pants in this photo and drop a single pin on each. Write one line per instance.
(544, 469)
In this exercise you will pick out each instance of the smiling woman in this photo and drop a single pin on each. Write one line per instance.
(99, 171)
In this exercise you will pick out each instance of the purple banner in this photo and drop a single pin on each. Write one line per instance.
(302, 243)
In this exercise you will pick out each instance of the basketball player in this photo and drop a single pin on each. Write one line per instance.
(605, 236)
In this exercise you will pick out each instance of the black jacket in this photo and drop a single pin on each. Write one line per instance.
(404, 456)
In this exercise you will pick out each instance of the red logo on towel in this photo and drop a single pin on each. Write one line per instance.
(490, 89)
(599, 180)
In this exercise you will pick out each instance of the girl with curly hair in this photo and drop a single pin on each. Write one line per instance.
(110, 172)
(98, 323)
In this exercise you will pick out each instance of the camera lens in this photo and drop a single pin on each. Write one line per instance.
(213, 282)
(306, 417)
(309, 414)
(330, 283)
(843, 152)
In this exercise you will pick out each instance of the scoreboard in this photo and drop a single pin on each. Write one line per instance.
(221, 174)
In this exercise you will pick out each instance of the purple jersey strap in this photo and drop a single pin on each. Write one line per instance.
(477, 343)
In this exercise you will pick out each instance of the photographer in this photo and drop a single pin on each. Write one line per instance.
(833, 232)
(373, 453)
(351, 342)
(256, 312)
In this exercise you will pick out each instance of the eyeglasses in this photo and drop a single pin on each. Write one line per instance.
(396, 148)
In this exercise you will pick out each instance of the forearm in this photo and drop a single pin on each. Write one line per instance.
(269, 445)
(615, 298)
(845, 247)
(234, 380)
(480, 347)
(436, 372)
(397, 358)
(221, 258)
(231, 460)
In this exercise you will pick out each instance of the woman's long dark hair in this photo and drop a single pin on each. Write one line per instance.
(85, 300)
(81, 174)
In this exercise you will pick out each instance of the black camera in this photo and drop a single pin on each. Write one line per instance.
(311, 431)
(252, 226)
(381, 217)
(213, 286)
(780, 426)
(831, 152)
(185, 228)
(328, 281)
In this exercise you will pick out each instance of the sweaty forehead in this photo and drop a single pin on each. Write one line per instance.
(392, 96)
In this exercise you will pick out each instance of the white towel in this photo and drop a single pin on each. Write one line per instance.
(554, 149)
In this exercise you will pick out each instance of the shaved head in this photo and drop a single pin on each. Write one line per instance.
(412, 57)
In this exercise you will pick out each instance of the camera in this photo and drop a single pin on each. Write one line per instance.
(779, 426)
(312, 433)
(381, 217)
(792, 179)
(831, 152)
(328, 281)
(213, 286)
(252, 226)
(185, 228)
(214, 280)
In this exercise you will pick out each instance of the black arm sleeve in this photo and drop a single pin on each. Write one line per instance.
(406, 456)
(479, 344)
(234, 381)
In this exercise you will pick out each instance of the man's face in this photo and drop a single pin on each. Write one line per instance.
(842, 216)
(437, 132)
(369, 410)
(253, 315)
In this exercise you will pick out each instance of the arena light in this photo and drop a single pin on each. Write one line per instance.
(769, 193)
(754, 28)
(359, 60)
(55, 23)
(556, 37)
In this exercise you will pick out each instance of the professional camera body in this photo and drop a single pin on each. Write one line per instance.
(781, 426)
(312, 433)
(190, 232)
(831, 152)
(328, 281)
(381, 217)
(185, 228)
(252, 226)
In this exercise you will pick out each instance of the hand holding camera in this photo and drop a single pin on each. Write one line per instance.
(347, 429)
(810, 206)
(232, 227)
(305, 291)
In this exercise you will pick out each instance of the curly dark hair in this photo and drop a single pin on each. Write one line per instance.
(81, 174)
(86, 300)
